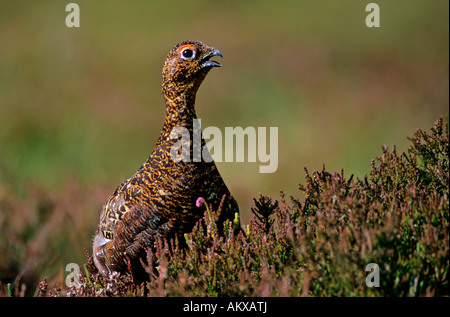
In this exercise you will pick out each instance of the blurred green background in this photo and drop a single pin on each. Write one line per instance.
(81, 108)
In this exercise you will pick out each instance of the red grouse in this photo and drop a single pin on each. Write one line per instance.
(161, 198)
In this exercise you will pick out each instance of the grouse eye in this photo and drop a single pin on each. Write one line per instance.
(188, 54)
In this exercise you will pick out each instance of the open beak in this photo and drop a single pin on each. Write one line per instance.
(206, 62)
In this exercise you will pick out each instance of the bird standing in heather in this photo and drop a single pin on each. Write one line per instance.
(162, 198)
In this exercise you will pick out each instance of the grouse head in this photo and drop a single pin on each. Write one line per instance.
(185, 68)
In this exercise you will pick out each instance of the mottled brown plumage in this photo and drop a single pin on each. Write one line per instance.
(160, 198)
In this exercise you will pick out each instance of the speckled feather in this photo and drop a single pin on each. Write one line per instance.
(160, 198)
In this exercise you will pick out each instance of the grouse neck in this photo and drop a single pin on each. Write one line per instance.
(180, 111)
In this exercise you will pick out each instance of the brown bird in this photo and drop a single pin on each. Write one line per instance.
(162, 197)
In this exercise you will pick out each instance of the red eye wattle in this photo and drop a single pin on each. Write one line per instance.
(187, 52)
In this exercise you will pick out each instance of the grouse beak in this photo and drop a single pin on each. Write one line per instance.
(206, 60)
